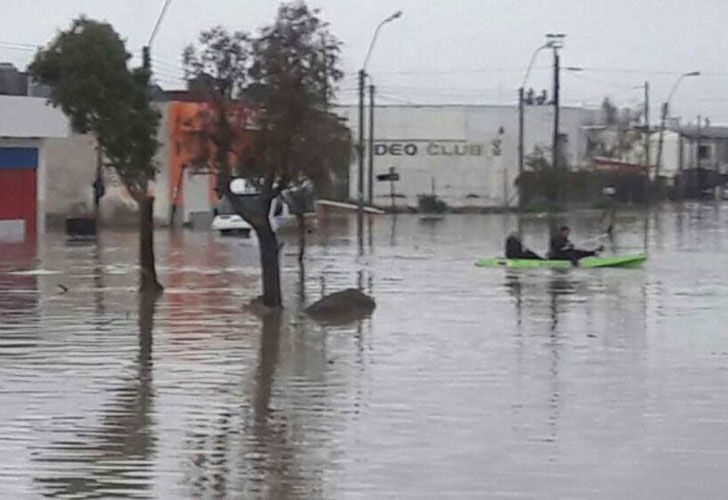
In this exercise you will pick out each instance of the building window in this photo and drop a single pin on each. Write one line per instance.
(704, 153)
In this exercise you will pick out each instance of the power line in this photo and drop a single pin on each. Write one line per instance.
(159, 22)
(395, 98)
(18, 44)
(457, 71)
(18, 48)
(619, 86)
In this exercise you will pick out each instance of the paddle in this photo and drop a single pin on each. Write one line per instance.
(607, 234)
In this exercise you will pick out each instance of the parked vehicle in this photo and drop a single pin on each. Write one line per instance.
(231, 224)
(228, 223)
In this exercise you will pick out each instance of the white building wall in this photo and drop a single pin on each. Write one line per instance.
(670, 153)
(162, 180)
(470, 151)
(29, 122)
(31, 117)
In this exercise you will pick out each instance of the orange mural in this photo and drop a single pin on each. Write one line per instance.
(191, 146)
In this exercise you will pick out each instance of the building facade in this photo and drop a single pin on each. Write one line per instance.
(466, 155)
(26, 124)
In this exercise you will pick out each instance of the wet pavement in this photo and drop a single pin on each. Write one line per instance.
(465, 382)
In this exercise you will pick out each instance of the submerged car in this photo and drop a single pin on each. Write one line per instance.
(231, 225)
(228, 223)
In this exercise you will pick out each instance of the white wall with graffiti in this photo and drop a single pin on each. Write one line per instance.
(467, 153)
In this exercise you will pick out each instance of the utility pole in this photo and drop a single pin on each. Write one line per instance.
(520, 141)
(99, 187)
(360, 184)
(371, 144)
(661, 139)
(362, 83)
(680, 166)
(698, 132)
(647, 127)
(552, 41)
(555, 145)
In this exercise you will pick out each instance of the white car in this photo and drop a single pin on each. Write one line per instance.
(231, 225)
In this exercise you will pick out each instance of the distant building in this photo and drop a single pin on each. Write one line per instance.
(689, 147)
(18, 83)
(12, 82)
(466, 154)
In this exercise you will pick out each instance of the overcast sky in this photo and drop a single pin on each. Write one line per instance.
(471, 51)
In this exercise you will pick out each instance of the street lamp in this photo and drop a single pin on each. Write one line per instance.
(663, 119)
(521, 108)
(146, 60)
(389, 19)
(362, 83)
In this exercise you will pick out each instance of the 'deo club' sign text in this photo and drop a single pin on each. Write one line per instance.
(429, 148)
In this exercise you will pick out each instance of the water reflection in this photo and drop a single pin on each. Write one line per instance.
(465, 382)
(113, 458)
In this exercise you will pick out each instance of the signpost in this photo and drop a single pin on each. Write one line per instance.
(392, 177)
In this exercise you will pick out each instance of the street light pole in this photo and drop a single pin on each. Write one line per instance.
(370, 170)
(557, 87)
(647, 126)
(521, 116)
(360, 149)
(146, 58)
(663, 119)
(521, 110)
(555, 42)
(361, 146)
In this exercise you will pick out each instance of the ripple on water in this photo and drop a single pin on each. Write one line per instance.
(465, 382)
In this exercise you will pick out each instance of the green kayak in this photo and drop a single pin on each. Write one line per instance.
(587, 262)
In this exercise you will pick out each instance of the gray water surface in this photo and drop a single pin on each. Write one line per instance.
(465, 382)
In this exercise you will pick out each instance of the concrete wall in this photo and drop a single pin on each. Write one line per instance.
(31, 122)
(670, 153)
(70, 173)
(469, 151)
(162, 189)
(31, 117)
(71, 170)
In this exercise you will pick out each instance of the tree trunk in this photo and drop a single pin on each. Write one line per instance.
(148, 272)
(270, 264)
(301, 220)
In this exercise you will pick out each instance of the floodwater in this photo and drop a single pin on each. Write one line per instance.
(464, 383)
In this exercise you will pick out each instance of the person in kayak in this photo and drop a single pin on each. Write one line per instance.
(561, 248)
(515, 249)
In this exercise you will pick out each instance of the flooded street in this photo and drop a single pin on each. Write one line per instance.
(464, 383)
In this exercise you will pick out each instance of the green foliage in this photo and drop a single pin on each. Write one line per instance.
(545, 182)
(285, 77)
(86, 68)
(431, 204)
(221, 60)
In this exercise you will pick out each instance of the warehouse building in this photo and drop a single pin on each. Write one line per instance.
(465, 154)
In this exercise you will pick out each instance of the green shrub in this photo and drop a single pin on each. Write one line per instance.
(431, 204)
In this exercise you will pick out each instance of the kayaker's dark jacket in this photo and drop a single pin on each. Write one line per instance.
(559, 245)
(514, 248)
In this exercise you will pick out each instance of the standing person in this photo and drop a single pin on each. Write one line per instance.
(516, 250)
(561, 248)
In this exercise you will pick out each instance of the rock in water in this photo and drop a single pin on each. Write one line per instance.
(343, 306)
